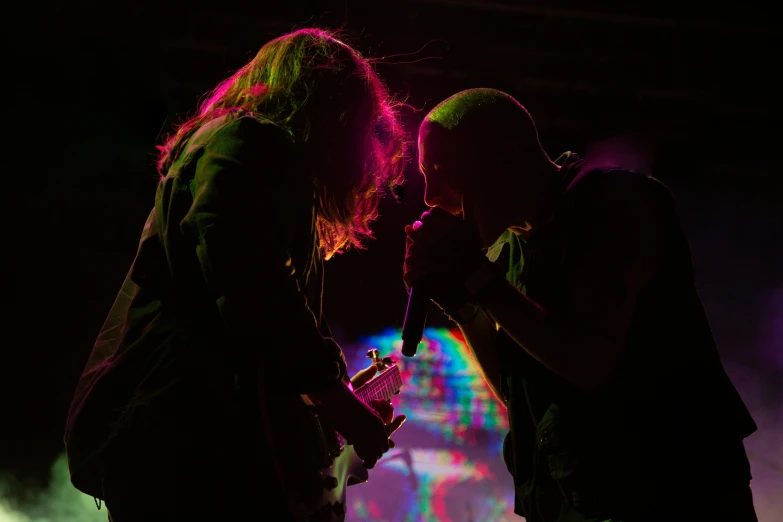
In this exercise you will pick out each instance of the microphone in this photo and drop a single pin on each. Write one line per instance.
(415, 319)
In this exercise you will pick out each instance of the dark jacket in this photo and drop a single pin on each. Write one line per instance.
(670, 423)
(227, 282)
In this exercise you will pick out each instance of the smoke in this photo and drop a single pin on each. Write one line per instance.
(59, 502)
(761, 387)
(763, 447)
(758, 379)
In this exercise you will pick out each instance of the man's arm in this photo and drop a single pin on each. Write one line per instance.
(480, 335)
(614, 255)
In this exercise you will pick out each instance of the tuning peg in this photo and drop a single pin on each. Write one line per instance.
(373, 354)
(387, 361)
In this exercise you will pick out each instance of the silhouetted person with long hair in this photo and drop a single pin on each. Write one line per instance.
(574, 287)
(185, 408)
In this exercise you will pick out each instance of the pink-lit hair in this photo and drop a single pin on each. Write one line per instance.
(329, 98)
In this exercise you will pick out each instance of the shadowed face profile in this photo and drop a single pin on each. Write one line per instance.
(439, 164)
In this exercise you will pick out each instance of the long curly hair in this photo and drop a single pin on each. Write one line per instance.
(329, 98)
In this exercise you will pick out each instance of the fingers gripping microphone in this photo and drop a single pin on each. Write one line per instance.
(418, 303)
(415, 319)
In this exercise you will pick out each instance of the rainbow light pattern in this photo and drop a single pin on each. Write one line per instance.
(448, 463)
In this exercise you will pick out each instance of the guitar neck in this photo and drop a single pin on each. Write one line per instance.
(383, 387)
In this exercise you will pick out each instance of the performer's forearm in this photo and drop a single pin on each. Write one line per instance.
(480, 335)
(571, 350)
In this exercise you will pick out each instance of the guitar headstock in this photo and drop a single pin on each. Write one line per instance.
(386, 383)
(381, 363)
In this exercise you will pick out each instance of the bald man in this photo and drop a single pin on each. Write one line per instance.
(573, 285)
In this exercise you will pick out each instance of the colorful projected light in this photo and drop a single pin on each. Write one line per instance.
(448, 464)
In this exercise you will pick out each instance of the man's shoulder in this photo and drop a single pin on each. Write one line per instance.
(242, 125)
(602, 186)
(243, 136)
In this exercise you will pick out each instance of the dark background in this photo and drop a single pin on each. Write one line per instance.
(685, 91)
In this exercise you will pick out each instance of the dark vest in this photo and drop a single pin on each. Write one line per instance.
(670, 410)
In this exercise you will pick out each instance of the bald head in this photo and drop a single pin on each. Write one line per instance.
(483, 117)
(481, 158)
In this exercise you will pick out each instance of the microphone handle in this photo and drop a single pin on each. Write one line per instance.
(415, 319)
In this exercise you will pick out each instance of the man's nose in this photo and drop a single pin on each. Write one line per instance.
(431, 197)
(431, 202)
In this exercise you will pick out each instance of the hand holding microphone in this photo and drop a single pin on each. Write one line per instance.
(442, 251)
